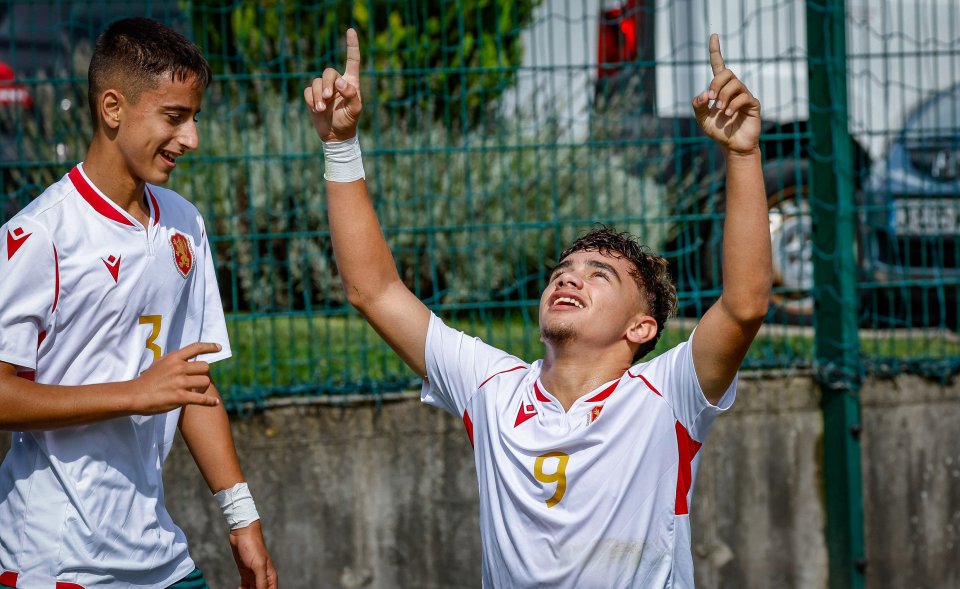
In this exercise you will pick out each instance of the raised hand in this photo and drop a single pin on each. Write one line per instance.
(734, 119)
(174, 381)
(334, 99)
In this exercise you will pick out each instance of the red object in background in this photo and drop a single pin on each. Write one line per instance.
(12, 93)
(617, 39)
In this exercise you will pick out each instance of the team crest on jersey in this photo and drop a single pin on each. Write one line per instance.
(595, 413)
(15, 239)
(182, 253)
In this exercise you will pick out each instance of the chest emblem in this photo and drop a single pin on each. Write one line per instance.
(113, 265)
(595, 413)
(526, 412)
(182, 253)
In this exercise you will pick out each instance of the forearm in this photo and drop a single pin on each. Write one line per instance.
(747, 268)
(369, 274)
(26, 405)
(363, 258)
(206, 431)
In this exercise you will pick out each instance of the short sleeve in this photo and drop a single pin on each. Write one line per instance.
(29, 284)
(457, 364)
(206, 306)
(675, 378)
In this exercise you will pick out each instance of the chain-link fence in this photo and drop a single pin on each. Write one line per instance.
(496, 131)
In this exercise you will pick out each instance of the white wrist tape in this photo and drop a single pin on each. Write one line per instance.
(342, 161)
(237, 506)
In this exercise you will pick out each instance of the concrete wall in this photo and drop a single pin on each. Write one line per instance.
(386, 497)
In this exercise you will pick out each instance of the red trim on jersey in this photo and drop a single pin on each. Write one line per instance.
(89, 194)
(602, 395)
(156, 207)
(42, 336)
(469, 425)
(540, 396)
(15, 239)
(30, 375)
(645, 381)
(497, 373)
(687, 448)
(56, 268)
(62, 585)
(9, 578)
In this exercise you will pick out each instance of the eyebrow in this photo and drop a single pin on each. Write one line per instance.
(177, 108)
(591, 263)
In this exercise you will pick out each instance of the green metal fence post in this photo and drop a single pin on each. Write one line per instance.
(835, 274)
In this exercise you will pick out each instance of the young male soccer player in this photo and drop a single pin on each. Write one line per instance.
(585, 458)
(107, 294)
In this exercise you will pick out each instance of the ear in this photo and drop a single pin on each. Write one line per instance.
(110, 108)
(642, 329)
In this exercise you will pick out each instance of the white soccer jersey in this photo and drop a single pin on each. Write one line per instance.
(596, 497)
(88, 295)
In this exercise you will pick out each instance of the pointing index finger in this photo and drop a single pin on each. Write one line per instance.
(716, 60)
(353, 55)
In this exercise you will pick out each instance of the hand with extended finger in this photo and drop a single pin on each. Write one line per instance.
(175, 380)
(734, 119)
(334, 99)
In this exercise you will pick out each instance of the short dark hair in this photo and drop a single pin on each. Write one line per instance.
(134, 53)
(650, 272)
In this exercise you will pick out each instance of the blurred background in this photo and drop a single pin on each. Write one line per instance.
(496, 131)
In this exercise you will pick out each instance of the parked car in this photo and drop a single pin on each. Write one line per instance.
(910, 220)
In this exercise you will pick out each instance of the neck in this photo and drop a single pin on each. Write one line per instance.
(110, 175)
(570, 371)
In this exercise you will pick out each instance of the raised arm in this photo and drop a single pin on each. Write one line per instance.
(727, 329)
(366, 265)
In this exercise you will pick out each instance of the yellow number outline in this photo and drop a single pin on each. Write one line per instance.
(559, 476)
(155, 321)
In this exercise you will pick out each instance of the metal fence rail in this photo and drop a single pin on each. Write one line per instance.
(495, 132)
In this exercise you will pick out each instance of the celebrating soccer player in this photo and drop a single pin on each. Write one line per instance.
(109, 318)
(586, 458)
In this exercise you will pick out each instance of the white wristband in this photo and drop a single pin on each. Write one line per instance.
(237, 506)
(342, 161)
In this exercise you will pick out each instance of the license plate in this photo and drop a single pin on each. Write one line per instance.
(926, 217)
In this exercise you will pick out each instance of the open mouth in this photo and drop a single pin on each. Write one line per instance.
(567, 302)
(170, 158)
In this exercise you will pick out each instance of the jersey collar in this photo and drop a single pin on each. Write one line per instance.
(596, 397)
(106, 207)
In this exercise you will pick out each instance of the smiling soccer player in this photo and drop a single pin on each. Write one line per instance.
(108, 294)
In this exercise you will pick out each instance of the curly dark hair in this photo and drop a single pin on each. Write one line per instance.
(649, 272)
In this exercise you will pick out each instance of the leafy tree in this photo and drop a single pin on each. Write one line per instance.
(451, 58)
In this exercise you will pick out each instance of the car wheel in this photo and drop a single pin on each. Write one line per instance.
(791, 237)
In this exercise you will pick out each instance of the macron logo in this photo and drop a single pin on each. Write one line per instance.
(15, 239)
(525, 413)
(113, 265)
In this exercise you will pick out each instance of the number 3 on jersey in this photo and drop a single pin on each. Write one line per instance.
(558, 476)
(153, 320)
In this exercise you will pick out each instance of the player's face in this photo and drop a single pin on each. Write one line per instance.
(159, 128)
(590, 297)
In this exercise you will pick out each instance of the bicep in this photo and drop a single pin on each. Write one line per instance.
(720, 344)
(402, 321)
